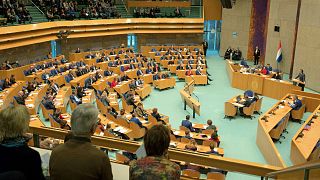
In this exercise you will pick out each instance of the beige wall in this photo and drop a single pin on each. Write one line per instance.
(237, 20)
(307, 54)
(160, 39)
(282, 13)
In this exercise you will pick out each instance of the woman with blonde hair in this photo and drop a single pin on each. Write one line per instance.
(16, 157)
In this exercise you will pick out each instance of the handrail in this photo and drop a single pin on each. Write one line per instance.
(307, 166)
(37, 7)
(202, 159)
(125, 6)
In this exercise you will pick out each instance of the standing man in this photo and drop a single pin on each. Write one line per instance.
(256, 55)
(301, 79)
(205, 47)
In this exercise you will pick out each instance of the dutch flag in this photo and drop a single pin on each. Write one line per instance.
(279, 53)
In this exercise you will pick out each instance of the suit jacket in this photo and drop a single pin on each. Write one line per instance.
(198, 72)
(139, 72)
(256, 54)
(157, 116)
(93, 164)
(48, 104)
(187, 124)
(20, 100)
(75, 99)
(136, 120)
(296, 104)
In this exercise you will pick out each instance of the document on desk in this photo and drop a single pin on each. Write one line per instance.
(238, 105)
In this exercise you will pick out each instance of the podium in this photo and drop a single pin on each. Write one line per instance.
(186, 97)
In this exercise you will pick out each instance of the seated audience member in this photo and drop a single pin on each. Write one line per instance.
(74, 98)
(80, 91)
(192, 145)
(246, 103)
(237, 55)
(149, 70)
(156, 114)
(269, 68)
(186, 123)
(210, 125)
(156, 163)
(78, 50)
(6, 83)
(59, 119)
(31, 87)
(78, 152)
(227, 53)
(89, 81)
(12, 79)
(212, 149)
(48, 103)
(198, 72)
(277, 76)
(54, 87)
(215, 138)
(264, 71)
(139, 72)
(122, 115)
(104, 99)
(16, 155)
(114, 83)
(20, 98)
(135, 120)
(187, 134)
(112, 111)
(296, 104)
(139, 110)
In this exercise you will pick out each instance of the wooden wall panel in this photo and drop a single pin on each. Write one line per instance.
(212, 9)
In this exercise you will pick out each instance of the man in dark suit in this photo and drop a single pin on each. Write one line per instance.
(156, 115)
(54, 87)
(108, 73)
(132, 66)
(136, 120)
(20, 98)
(139, 72)
(75, 99)
(80, 92)
(149, 70)
(301, 77)
(246, 103)
(186, 123)
(88, 82)
(48, 103)
(256, 55)
(205, 47)
(296, 104)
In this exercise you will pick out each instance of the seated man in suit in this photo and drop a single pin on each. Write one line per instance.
(54, 87)
(59, 119)
(156, 77)
(88, 82)
(187, 134)
(164, 76)
(246, 103)
(186, 123)
(31, 87)
(108, 73)
(139, 72)
(136, 120)
(179, 67)
(210, 125)
(12, 79)
(78, 50)
(20, 98)
(48, 103)
(296, 104)
(149, 70)
(198, 72)
(80, 91)
(269, 68)
(45, 77)
(97, 76)
(156, 115)
(277, 76)
(70, 75)
(74, 98)
(6, 83)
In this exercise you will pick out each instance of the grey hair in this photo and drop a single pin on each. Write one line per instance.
(14, 122)
(83, 119)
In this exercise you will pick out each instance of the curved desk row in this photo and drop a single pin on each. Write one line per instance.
(6, 96)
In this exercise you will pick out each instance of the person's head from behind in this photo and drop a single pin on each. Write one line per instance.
(301, 70)
(84, 119)
(187, 132)
(188, 117)
(157, 140)
(14, 122)
(209, 122)
(155, 110)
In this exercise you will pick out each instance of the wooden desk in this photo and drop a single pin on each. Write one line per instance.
(62, 98)
(277, 89)
(164, 83)
(191, 102)
(200, 148)
(35, 121)
(144, 91)
(182, 73)
(89, 97)
(116, 127)
(6, 96)
(197, 136)
(102, 83)
(302, 147)
(172, 4)
(80, 80)
(123, 87)
(59, 79)
(34, 99)
(147, 78)
(198, 79)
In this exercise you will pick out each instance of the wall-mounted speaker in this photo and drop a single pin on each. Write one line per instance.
(226, 4)
(277, 28)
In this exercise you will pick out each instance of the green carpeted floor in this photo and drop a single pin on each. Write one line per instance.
(238, 136)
